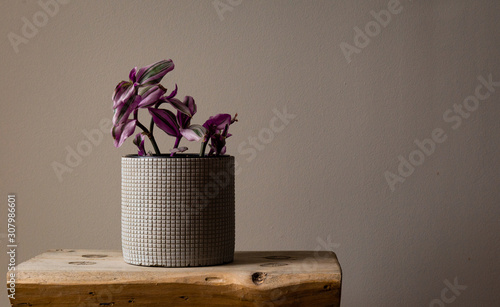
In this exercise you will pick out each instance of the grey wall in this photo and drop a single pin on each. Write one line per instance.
(360, 102)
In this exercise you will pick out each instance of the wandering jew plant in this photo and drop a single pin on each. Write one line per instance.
(144, 91)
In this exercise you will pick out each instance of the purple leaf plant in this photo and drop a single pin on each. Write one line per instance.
(144, 91)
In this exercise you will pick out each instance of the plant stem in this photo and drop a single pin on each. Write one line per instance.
(152, 123)
(177, 141)
(150, 136)
(203, 147)
(151, 126)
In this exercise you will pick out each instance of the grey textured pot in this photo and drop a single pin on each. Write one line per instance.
(178, 212)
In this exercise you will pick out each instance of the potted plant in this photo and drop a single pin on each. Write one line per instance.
(177, 209)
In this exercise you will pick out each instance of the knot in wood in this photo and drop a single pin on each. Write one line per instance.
(278, 257)
(259, 277)
(82, 262)
(94, 256)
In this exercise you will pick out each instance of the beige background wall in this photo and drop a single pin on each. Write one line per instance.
(319, 183)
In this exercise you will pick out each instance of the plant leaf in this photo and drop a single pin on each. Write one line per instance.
(122, 132)
(193, 133)
(123, 110)
(179, 149)
(189, 102)
(217, 122)
(172, 95)
(150, 95)
(165, 120)
(153, 73)
(185, 109)
(132, 74)
(180, 106)
(122, 92)
(183, 120)
(139, 142)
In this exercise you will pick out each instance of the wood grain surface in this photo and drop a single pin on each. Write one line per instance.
(101, 278)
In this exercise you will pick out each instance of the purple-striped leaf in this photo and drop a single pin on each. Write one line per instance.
(183, 120)
(165, 120)
(189, 101)
(122, 92)
(185, 109)
(132, 74)
(217, 122)
(218, 144)
(123, 110)
(193, 132)
(139, 142)
(122, 132)
(180, 106)
(172, 95)
(153, 73)
(150, 95)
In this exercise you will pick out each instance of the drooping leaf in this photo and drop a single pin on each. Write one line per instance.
(122, 132)
(193, 132)
(165, 120)
(122, 92)
(123, 110)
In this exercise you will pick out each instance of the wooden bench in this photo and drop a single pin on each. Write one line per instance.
(81, 278)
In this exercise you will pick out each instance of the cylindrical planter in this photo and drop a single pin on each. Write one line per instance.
(178, 211)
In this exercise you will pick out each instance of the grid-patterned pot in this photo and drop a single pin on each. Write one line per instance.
(177, 212)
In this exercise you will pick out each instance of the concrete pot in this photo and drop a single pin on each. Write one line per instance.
(178, 211)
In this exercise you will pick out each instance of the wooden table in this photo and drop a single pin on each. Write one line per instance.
(80, 278)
